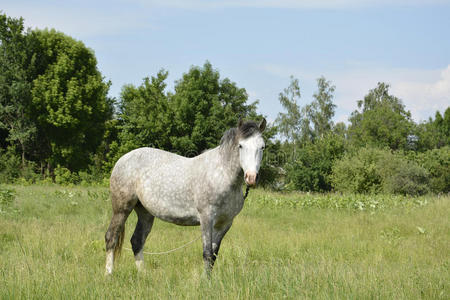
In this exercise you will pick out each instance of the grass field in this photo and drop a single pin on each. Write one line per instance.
(291, 246)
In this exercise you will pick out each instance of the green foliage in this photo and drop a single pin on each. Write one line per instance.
(64, 176)
(319, 113)
(187, 122)
(16, 72)
(10, 165)
(204, 107)
(352, 201)
(434, 133)
(289, 123)
(402, 176)
(69, 100)
(381, 122)
(309, 137)
(145, 116)
(312, 121)
(54, 111)
(372, 170)
(273, 159)
(437, 163)
(7, 197)
(53, 101)
(311, 168)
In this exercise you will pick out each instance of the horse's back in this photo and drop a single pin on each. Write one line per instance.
(131, 166)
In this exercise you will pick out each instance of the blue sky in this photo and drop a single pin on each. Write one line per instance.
(259, 44)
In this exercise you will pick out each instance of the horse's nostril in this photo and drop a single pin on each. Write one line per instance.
(250, 178)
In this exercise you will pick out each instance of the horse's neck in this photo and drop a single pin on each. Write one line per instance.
(225, 162)
(230, 162)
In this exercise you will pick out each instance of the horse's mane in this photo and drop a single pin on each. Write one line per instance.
(246, 130)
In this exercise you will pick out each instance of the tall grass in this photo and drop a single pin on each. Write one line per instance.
(280, 246)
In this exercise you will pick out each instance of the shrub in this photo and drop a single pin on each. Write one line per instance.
(400, 176)
(312, 164)
(273, 159)
(7, 197)
(10, 165)
(372, 170)
(64, 176)
(437, 163)
(357, 173)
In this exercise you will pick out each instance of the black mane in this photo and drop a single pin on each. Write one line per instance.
(246, 130)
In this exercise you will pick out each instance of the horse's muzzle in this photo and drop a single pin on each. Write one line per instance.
(250, 178)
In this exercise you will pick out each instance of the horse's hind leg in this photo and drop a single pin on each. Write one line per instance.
(115, 233)
(143, 228)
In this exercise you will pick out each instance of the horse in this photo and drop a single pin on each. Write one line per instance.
(204, 190)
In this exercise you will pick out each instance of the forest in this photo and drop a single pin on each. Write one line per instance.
(59, 124)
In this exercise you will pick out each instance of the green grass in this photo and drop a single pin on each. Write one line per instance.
(280, 246)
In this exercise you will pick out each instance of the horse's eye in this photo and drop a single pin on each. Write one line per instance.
(263, 147)
(240, 146)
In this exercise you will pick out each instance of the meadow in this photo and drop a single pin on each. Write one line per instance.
(292, 245)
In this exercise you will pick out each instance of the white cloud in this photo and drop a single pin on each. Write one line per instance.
(424, 98)
(79, 20)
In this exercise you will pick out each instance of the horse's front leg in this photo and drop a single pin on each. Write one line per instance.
(218, 234)
(212, 236)
(206, 223)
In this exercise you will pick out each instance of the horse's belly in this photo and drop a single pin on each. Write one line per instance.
(170, 206)
(180, 220)
(174, 213)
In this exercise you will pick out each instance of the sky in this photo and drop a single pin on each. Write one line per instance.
(259, 44)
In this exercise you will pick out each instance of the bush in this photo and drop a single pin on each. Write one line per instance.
(312, 164)
(7, 197)
(11, 168)
(357, 173)
(64, 176)
(10, 165)
(372, 170)
(400, 176)
(273, 158)
(437, 163)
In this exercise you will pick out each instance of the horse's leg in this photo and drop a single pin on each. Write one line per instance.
(218, 235)
(211, 237)
(114, 235)
(143, 228)
(206, 225)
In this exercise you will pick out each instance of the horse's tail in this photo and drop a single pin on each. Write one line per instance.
(118, 247)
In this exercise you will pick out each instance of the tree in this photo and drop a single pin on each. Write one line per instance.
(289, 123)
(381, 121)
(434, 133)
(322, 108)
(312, 165)
(69, 100)
(145, 116)
(16, 63)
(320, 112)
(203, 107)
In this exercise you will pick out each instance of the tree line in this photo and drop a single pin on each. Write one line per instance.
(382, 150)
(57, 123)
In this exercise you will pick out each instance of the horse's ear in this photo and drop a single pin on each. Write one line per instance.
(262, 125)
(240, 123)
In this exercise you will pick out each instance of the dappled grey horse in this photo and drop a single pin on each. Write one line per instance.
(204, 190)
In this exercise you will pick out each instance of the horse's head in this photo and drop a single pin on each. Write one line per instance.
(251, 145)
